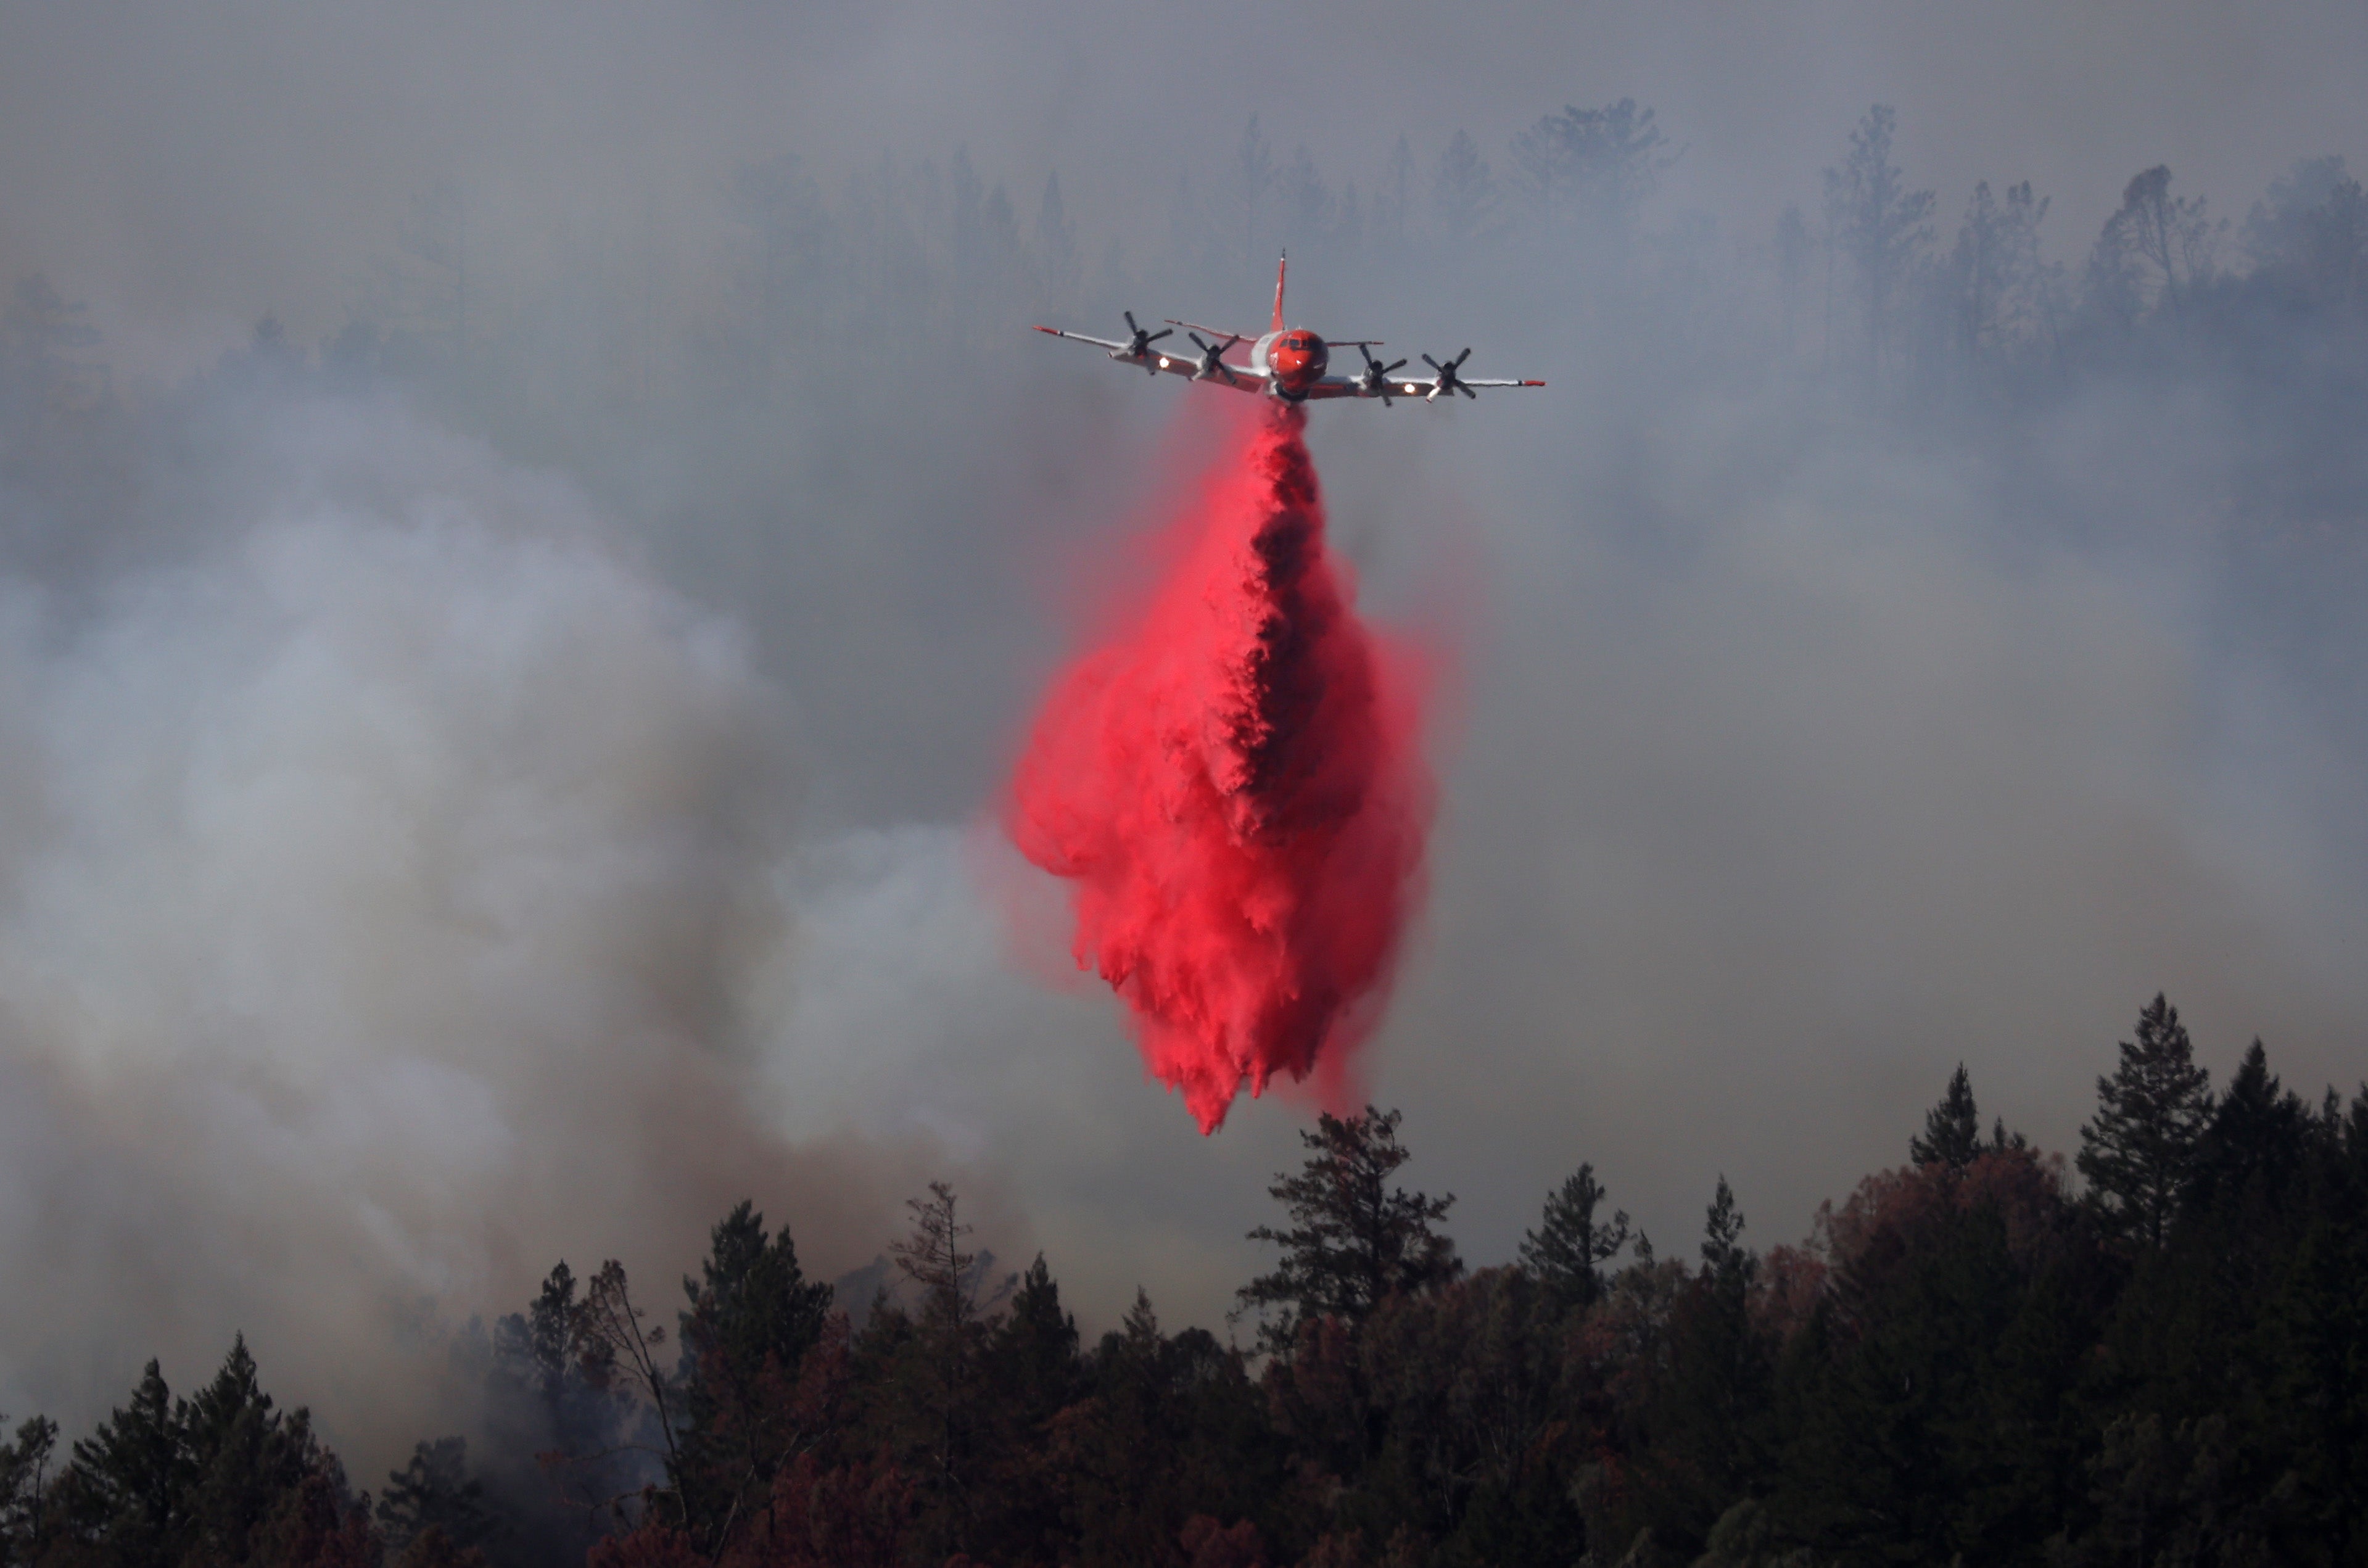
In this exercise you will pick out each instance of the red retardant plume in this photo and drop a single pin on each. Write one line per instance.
(1236, 790)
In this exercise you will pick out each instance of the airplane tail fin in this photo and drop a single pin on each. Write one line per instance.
(1280, 268)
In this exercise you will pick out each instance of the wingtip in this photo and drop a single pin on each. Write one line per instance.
(1054, 330)
(1533, 384)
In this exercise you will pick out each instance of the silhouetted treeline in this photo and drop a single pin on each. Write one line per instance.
(1968, 1361)
(1553, 243)
(907, 281)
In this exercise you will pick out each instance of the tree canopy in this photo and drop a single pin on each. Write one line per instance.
(1354, 1239)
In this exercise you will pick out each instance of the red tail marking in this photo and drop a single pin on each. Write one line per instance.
(1280, 268)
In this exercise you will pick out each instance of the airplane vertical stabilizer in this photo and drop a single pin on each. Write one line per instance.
(1280, 268)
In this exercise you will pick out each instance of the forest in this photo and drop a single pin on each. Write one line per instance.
(1983, 1354)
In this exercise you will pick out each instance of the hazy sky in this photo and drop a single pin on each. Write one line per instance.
(194, 167)
(423, 859)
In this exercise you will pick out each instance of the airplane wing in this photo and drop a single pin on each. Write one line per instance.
(1418, 387)
(1216, 332)
(1182, 361)
(1081, 337)
(1428, 387)
(1188, 364)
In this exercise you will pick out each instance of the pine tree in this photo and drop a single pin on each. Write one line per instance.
(25, 1485)
(1722, 1252)
(1952, 1128)
(1354, 1240)
(752, 1317)
(1878, 224)
(133, 1476)
(435, 1494)
(538, 1348)
(2257, 1141)
(1706, 1411)
(1568, 1249)
(2139, 1155)
(217, 1478)
(1034, 1351)
(2162, 245)
(560, 1434)
(1463, 195)
(776, 1309)
(1033, 1373)
(936, 1409)
(244, 1458)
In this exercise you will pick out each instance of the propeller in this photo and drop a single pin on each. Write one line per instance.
(1213, 360)
(1138, 342)
(1448, 379)
(1375, 381)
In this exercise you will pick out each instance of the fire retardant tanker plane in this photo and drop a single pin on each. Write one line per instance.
(1287, 362)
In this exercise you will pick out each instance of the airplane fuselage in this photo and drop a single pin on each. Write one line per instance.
(1290, 361)
(1294, 358)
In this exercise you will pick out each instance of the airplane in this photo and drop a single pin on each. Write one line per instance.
(1287, 363)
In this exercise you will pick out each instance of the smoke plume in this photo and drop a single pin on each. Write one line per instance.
(1236, 791)
(386, 877)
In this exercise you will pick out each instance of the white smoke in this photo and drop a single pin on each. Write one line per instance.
(382, 886)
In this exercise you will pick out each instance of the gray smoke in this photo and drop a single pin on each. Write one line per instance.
(388, 882)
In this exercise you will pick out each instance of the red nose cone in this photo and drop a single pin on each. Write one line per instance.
(1298, 358)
